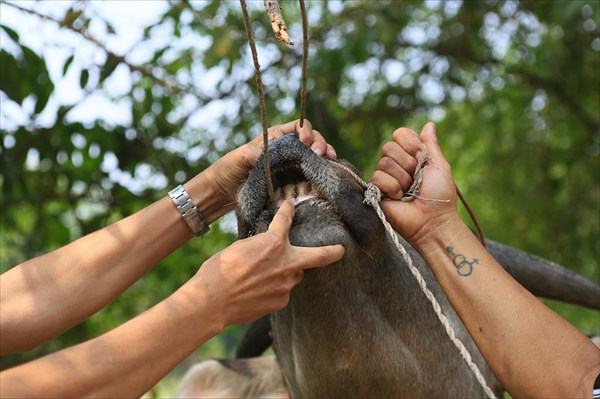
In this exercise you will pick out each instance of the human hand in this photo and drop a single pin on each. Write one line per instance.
(230, 171)
(415, 219)
(312, 138)
(254, 276)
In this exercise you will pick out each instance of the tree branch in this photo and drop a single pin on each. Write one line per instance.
(277, 22)
(68, 24)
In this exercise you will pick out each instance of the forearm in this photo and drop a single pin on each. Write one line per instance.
(47, 295)
(532, 350)
(125, 362)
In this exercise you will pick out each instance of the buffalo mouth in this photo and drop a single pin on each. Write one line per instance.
(327, 199)
(289, 183)
(297, 174)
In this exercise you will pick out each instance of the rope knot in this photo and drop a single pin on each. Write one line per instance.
(372, 195)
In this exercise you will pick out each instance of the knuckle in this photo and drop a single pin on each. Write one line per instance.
(323, 259)
(278, 241)
(403, 133)
(379, 179)
(388, 148)
(248, 152)
(385, 163)
(306, 125)
(274, 240)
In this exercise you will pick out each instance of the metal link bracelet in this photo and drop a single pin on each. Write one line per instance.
(189, 211)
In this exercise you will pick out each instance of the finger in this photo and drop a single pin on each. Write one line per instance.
(305, 133)
(282, 221)
(401, 175)
(319, 146)
(400, 156)
(278, 131)
(249, 154)
(318, 256)
(409, 140)
(388, 184)
(429, 139)
(331, 154)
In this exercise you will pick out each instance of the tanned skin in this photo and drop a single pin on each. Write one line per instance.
(532, 350)
(47, 295)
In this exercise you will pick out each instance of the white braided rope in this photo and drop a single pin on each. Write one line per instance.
(372, 197)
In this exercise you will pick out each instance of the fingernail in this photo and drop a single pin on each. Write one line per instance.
(318, 150)
(331, 154)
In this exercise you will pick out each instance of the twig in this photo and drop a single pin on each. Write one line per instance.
(118, 58)
(277, 22)
(261, 96)
(304, 61)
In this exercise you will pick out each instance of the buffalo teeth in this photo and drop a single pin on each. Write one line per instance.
(301, 189)
(278, 194)
(288, 191)
(299, 192)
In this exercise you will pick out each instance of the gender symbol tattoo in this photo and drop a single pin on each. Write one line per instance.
(463, 266)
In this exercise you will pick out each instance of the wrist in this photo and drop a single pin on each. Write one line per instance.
(206, 309)
(437, 230)
(210, 200)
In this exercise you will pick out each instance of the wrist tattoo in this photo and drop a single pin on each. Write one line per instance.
(463, 266)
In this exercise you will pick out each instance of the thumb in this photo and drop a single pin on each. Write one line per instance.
(429, 139)
(318, 256)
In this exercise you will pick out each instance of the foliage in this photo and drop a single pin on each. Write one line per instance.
(513, 87)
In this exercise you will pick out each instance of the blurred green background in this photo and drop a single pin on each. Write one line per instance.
(106, 106)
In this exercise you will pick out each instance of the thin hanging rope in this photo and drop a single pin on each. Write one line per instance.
(373, 196)
(261, 96)
(472, 215)
(304, 61)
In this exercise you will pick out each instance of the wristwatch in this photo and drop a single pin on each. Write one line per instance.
(188, 210)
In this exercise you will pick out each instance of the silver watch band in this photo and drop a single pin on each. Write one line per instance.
(188, 210)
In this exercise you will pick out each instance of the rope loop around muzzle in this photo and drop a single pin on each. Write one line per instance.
(373, 197)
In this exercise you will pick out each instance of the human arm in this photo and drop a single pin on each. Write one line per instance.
(248, 279)
(531, 349)
(47, 295)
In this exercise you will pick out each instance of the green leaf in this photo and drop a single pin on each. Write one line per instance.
(11, 33)
(67, 64)
(109, 66)
(9, 77)
(83, 78)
